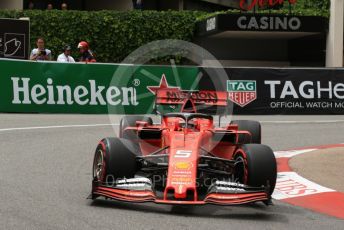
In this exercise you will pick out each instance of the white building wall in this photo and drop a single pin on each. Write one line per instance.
(334, 52)
(11, 4)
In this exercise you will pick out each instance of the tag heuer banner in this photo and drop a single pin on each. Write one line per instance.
(283, 91)
(43, 87)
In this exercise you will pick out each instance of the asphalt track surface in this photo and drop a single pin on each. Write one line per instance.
(45, 177)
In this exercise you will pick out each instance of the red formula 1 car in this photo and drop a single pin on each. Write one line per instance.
(186, 159)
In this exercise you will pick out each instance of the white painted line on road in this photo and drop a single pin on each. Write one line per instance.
(116, 124)
(56, 127)
(291, 153)
(302, 122)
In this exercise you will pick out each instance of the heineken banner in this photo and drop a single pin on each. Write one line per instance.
(85, 88)
(49, 87)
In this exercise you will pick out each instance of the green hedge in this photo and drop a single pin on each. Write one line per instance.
(112, 34)
(115, 34)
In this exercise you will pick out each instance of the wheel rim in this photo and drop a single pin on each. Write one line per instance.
(98, 165)
(240, 173)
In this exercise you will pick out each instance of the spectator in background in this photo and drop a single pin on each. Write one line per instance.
(31, 5)
(86, 53)
(137, 4)
(50, 6)
(65, 56)
(64, 6)
(40, 53)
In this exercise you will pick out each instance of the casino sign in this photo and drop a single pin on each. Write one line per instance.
(269, 23)
(261, 22)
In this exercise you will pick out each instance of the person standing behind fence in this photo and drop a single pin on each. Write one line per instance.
(65, 56)
(64, 6)
(86, 53)
(31, 5)
(50, 6)
(40, 53)
(137, 4)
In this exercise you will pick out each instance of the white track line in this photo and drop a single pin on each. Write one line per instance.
(302, 122)
(116, 124)
(56, 127)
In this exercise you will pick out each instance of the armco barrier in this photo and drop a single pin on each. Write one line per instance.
(49, 87)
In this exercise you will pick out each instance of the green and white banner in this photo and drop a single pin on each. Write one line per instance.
(48, 87)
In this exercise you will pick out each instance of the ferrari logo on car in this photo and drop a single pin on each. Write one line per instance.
(242, 92)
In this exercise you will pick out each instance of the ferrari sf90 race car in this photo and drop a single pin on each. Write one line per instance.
(185, 159)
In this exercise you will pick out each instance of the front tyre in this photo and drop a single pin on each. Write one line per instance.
(114, 158)
(256, 166)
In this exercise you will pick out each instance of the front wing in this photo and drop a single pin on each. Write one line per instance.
(219, 194)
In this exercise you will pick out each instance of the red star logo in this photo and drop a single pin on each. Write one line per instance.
(163, 85)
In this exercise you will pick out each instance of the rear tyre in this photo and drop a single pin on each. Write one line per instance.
(253, 127)
(115, 158)
(130, 121)
(256, 166)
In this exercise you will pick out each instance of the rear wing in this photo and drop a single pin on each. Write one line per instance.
(180, 97)
(198, 101)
